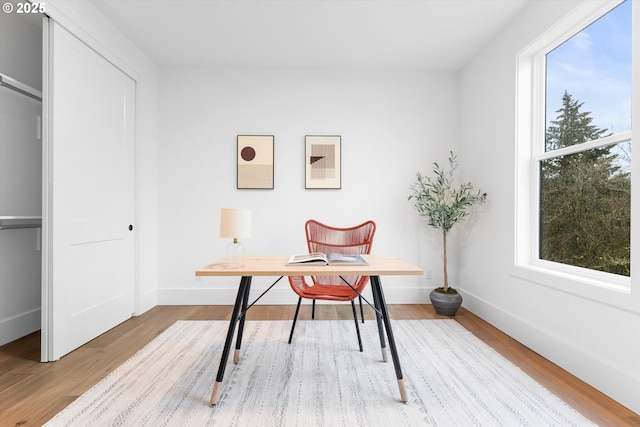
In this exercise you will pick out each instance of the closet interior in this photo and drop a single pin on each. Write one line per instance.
(20, 174)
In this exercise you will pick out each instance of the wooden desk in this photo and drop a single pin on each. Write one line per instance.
(276, 265)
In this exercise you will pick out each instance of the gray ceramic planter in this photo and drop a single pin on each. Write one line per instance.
(445, 304)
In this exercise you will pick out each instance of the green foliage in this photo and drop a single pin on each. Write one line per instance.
(439, 201)
(585, 198)
(571, 126)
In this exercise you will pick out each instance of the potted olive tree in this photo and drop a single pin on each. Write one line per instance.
(442, 205)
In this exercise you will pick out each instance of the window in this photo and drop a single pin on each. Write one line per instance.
(585, 168)
(574, 146)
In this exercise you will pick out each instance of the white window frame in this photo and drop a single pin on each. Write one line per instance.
(530, 128)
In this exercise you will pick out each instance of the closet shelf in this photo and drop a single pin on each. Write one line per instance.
(20, 87)
(25, 221)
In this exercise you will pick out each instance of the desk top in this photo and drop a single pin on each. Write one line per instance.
(276, 265)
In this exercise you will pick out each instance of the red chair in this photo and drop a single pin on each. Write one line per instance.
(327, 239)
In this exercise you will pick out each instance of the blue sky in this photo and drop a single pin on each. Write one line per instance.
(594, 66)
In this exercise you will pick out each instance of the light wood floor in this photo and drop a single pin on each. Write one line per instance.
(32, 392)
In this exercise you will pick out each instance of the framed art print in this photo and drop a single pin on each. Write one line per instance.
(322, 161)
(255, 161)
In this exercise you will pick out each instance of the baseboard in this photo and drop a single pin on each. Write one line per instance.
(17, 327)
(276, 296)
(618, 384)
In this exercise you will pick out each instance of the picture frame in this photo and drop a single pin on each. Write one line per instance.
(255, 162)
(323, 161)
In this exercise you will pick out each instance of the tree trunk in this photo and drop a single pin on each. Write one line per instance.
(444, 262)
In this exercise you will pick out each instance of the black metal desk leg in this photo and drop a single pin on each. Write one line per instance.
(242, 290)
(383, 343)
(245, 302)
(377, 289)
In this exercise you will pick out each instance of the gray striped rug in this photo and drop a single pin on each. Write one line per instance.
(321, 379)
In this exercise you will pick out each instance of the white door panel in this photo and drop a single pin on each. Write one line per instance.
(91, 276)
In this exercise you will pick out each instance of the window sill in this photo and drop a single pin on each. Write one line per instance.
(614, 292)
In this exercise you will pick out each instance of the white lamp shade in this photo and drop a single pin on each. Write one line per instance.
(235, 223)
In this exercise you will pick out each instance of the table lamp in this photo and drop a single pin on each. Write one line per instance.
(235, 224)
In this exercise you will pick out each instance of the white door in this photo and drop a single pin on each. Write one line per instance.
(89, 274)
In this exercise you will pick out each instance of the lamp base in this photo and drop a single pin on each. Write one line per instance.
(235, 254)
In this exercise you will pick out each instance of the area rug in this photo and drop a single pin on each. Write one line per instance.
(321, 379)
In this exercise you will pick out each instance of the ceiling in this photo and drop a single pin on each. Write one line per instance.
(325, 34)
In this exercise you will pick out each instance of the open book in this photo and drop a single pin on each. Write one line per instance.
(324, 259)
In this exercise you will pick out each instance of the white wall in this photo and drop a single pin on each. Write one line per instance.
(595, 341)
(392, 125)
